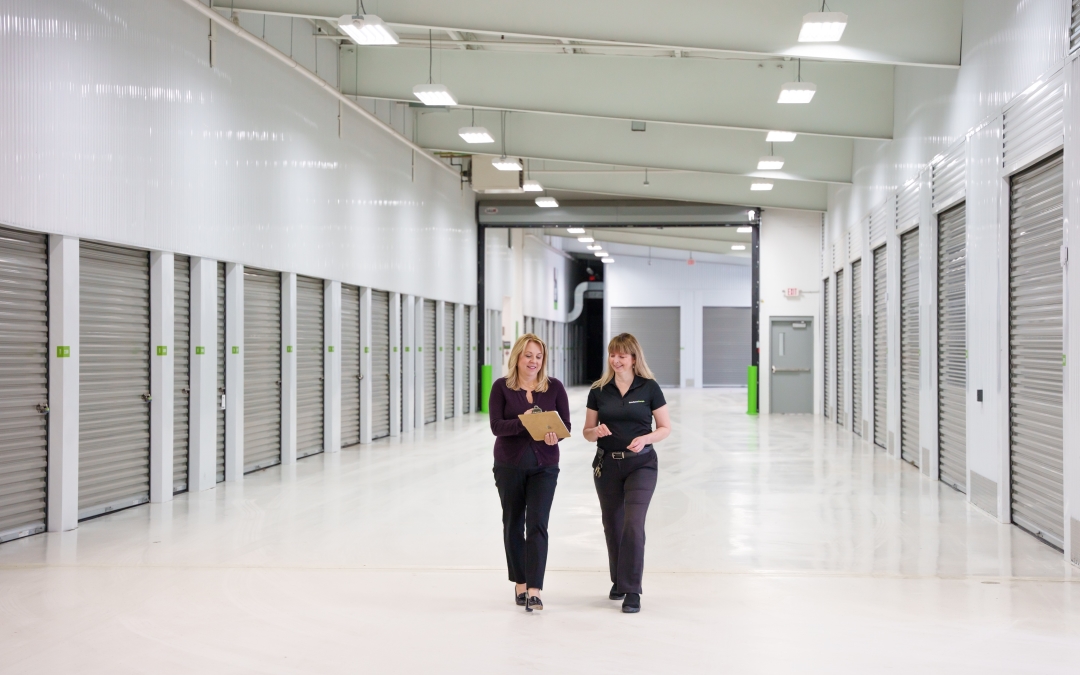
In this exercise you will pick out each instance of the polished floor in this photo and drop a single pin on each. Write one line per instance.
(776, 545)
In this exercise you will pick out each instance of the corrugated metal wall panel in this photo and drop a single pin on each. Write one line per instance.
(429, 362)
(181, 369)
(350, 365)
(828, 370)
(949, 176)
(221, 351)
(467, 383)
(658, 331)
(449, 328)
(952, 347)
(1036, 341)
(907, 206)
(856, 347)
(880, 222)
(380, 364)
(114, 378)
(262, 369)
(839, 319)
(1034, 124)
(1074, 26)
(310, 349)
(881, 345)
(24, 382)
(909, 346)
(726, 346)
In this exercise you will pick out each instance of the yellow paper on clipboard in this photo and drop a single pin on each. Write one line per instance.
(538, 424)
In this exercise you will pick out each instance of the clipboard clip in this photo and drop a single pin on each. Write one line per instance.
(535, 409)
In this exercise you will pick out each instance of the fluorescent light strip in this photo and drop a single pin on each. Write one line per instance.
(546, 202)
(607, 261)
(586, 240)
(367, 29)
(595, 248)
(601, 254)
(797, 92)
(505, 164)
(770, 163)
(738, 247)
(475, 135)
(780, 137)
(823, 27)
(761, 186)
(434, 94)
(575, 230)
(745, 230)
(532, 186)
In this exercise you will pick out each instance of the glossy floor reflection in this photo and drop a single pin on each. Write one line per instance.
(776, 545)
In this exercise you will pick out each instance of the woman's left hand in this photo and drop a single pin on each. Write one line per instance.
(551, 438)
(637, 445)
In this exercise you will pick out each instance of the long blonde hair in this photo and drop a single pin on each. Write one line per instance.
(625, 343)
(515, 354)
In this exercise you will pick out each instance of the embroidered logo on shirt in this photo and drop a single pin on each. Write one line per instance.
(636, 401)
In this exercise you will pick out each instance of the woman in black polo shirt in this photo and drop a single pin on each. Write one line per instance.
(619, 419)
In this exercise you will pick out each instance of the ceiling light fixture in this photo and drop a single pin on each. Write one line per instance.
(601, 254)
(798, 91)
(546, 202)
(586, 240)
(367, 29)
(745, 230)
(646, 176)
(738, 247)
(607, 261)
(503, 163)
(770, 163)
(595, 247)
(823, 26)
(475, 134)
(532, 186)
(780, 137)
(751, 214)
(430, 93)
(575, 230)
(761, 186)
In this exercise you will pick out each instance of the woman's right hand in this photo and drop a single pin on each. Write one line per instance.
(602, 430)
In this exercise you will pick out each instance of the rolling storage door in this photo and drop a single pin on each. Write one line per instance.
(657, 329)
(181, 369)
(449, 328)
(220, 468)
(24, 382)
(881, 343)
(429, 362)
(309, 366)
(856, 347)
(726, 348)
(466, 363)
(114, 378)
(262, 369)
(350, 365)
(909, 347)
(1036, 329)
(838, 310)
(828, 349)
(380, 364)
(952, 348)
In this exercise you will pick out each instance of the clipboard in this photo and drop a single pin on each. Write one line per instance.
(540, 423)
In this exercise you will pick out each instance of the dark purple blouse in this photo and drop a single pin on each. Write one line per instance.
(511, 438)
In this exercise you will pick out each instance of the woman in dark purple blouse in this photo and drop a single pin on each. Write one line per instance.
(526, 470)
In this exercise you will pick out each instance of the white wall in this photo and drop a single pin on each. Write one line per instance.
(125, 134)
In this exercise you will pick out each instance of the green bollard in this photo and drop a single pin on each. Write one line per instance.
(751, 390)
(485, 387)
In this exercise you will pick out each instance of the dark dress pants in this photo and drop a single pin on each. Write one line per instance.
(526, 492)
(625, 488)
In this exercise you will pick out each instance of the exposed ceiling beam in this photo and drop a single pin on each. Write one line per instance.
(913, 32)
(667, 238)
(660, 146)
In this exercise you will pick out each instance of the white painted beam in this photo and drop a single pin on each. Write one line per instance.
(161, 376)
(234, 372)
(204, 399)
(440, 360)
(63, 476)
(395, 355)
(288, 367)
(365, 365)
(408, 358)
(332, 366)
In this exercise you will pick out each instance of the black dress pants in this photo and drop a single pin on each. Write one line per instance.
(526, 492)
(625, 488)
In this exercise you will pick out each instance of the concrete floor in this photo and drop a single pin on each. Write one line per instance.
(776, 545)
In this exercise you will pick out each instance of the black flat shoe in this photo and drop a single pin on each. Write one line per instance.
(614, 594)
(534, 603)
(631, 604)
(521, 598)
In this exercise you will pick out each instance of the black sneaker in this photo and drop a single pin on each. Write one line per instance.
(534, 603)
(615, 594)
(520, 598)
(631, 604)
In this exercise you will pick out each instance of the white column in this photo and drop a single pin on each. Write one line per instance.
(459, 356)
(440, 360)
(63, 475)
(365, 365)
(234, 372)
(474, 359)
(288, 368)
(161, 376)
(204, 399)
(332, 366)
(1071, 445)
(395, 364)
(418, 362)
(408, 360)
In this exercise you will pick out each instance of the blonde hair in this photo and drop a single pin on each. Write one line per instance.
(625, 343)
(515, 354)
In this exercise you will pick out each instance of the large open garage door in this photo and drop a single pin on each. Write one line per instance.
(380, 364)
(856, 348)
(449, 328)
(429, 362)
(909, 346)
(350, 365)
(828, 371)
(726, 346)
(952, 347)
(262, 369)
(309, 366)
(658, 331)
(181, 370)
(114, 378)
(1036, 328)
(220, 459)
(881, 342)
(24, 382)
(838, 313)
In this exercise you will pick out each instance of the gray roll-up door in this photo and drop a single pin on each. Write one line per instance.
(181, 370)
(909, 346)
(828, 374)
(839, 314)
(881, 345)
(449, 328)
(726, 348)
(24, 382)
(466, 384)
(429, 362)
(952, 347)
(856, 347)
(658, 331)
(262, 369)
(350, 365)
(380, 364)
(114, 378)
(1036, 329)
(310, 347)
(220, 459)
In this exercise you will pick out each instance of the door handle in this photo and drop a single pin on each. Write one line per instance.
(359, 377)
(790, 370)
(147, 397)
(43, 408)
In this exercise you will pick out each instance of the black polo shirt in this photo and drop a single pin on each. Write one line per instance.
(626, 417)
